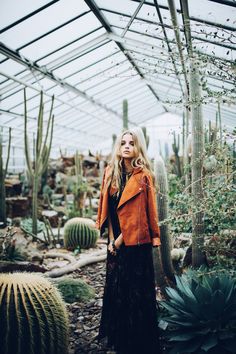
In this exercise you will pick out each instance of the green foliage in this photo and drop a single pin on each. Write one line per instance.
(8, 250)
(201, 314)
(74, 290)
(218, 206)
(27, 225)
(80, 232)
(33, 316)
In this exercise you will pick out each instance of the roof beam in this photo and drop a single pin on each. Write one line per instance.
(192, 18)
(58, 99)
(49, 74)
(28, 16)
(92, 5)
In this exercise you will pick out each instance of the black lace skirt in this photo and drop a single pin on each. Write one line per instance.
(129, 314)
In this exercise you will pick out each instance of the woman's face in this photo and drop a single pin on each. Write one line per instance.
(127, 146)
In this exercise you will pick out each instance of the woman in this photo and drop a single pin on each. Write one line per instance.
(128, 208)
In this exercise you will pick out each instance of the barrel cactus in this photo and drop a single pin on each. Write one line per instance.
(33, 316)
(80, 232)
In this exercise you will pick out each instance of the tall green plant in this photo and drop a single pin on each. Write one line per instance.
(175, 147)
(3, 172)
(41, 151)
(144, 129)
(33, 316)
(125, 114)
(197, 162)
(162, 203)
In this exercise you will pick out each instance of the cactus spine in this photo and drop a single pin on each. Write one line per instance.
(162, 203)
(33, 316)
(3, 172)
(41, 152)
(125, 114)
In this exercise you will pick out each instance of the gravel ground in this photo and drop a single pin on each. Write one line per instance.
(85, 317)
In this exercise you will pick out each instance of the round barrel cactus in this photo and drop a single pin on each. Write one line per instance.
(80, 232)
(33, 316)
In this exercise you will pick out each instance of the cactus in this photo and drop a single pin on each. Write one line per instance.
(41, 152)
(81, 185)
(144, 129)
(3, 172)
(198, 257)
(114, 137)
(162, 203)
(33, 316)
(175, 147)
(125, 114)
(80, 232)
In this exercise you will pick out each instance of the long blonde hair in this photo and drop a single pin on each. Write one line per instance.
(140, 159)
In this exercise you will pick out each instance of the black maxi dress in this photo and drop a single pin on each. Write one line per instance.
(129, 313)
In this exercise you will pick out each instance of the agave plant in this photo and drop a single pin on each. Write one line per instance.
(201, 314)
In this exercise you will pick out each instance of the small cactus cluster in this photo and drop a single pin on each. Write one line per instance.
(33, 316)
(80, 232)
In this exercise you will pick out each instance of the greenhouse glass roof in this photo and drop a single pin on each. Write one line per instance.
(92, 54)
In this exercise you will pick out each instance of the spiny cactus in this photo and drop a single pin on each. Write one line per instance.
(144, 129)
(175, 147)
(80, 232)
(33, 316)
(125, 114)
(162, 203)
(3, 172)
(42, 150)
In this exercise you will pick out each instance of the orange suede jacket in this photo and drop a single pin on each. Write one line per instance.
(137, 210)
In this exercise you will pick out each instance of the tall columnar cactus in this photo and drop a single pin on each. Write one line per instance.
(3, 172)
(80, 232)
(114, 137)
(80, 185)
(41, 151)
(197, 165)
(144, 129)
(175, 147)
(162, 203)
(33, 316)
(125, 114)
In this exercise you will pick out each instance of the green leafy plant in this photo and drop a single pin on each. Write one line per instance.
(80, 232)
(26, 225)
(33, 316)
(201, 313)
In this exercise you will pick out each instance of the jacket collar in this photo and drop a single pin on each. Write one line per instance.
(132, 187)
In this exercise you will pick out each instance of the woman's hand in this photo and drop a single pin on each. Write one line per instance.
(111, 248)
(119, 241)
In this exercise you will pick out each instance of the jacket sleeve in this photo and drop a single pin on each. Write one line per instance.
(98, 224)
(152, 213)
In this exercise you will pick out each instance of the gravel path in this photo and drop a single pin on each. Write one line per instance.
(85, 317)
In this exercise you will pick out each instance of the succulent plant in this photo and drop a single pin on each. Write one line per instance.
(74, 290)
(201, 314)
(80, 232)
(33, 316)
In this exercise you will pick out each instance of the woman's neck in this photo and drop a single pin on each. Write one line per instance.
(127, 165)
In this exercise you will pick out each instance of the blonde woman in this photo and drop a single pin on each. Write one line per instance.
(128, 208)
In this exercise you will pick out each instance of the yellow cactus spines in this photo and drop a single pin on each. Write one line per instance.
(33, 316)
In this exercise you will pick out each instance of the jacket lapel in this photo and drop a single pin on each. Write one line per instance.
(132, 188)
